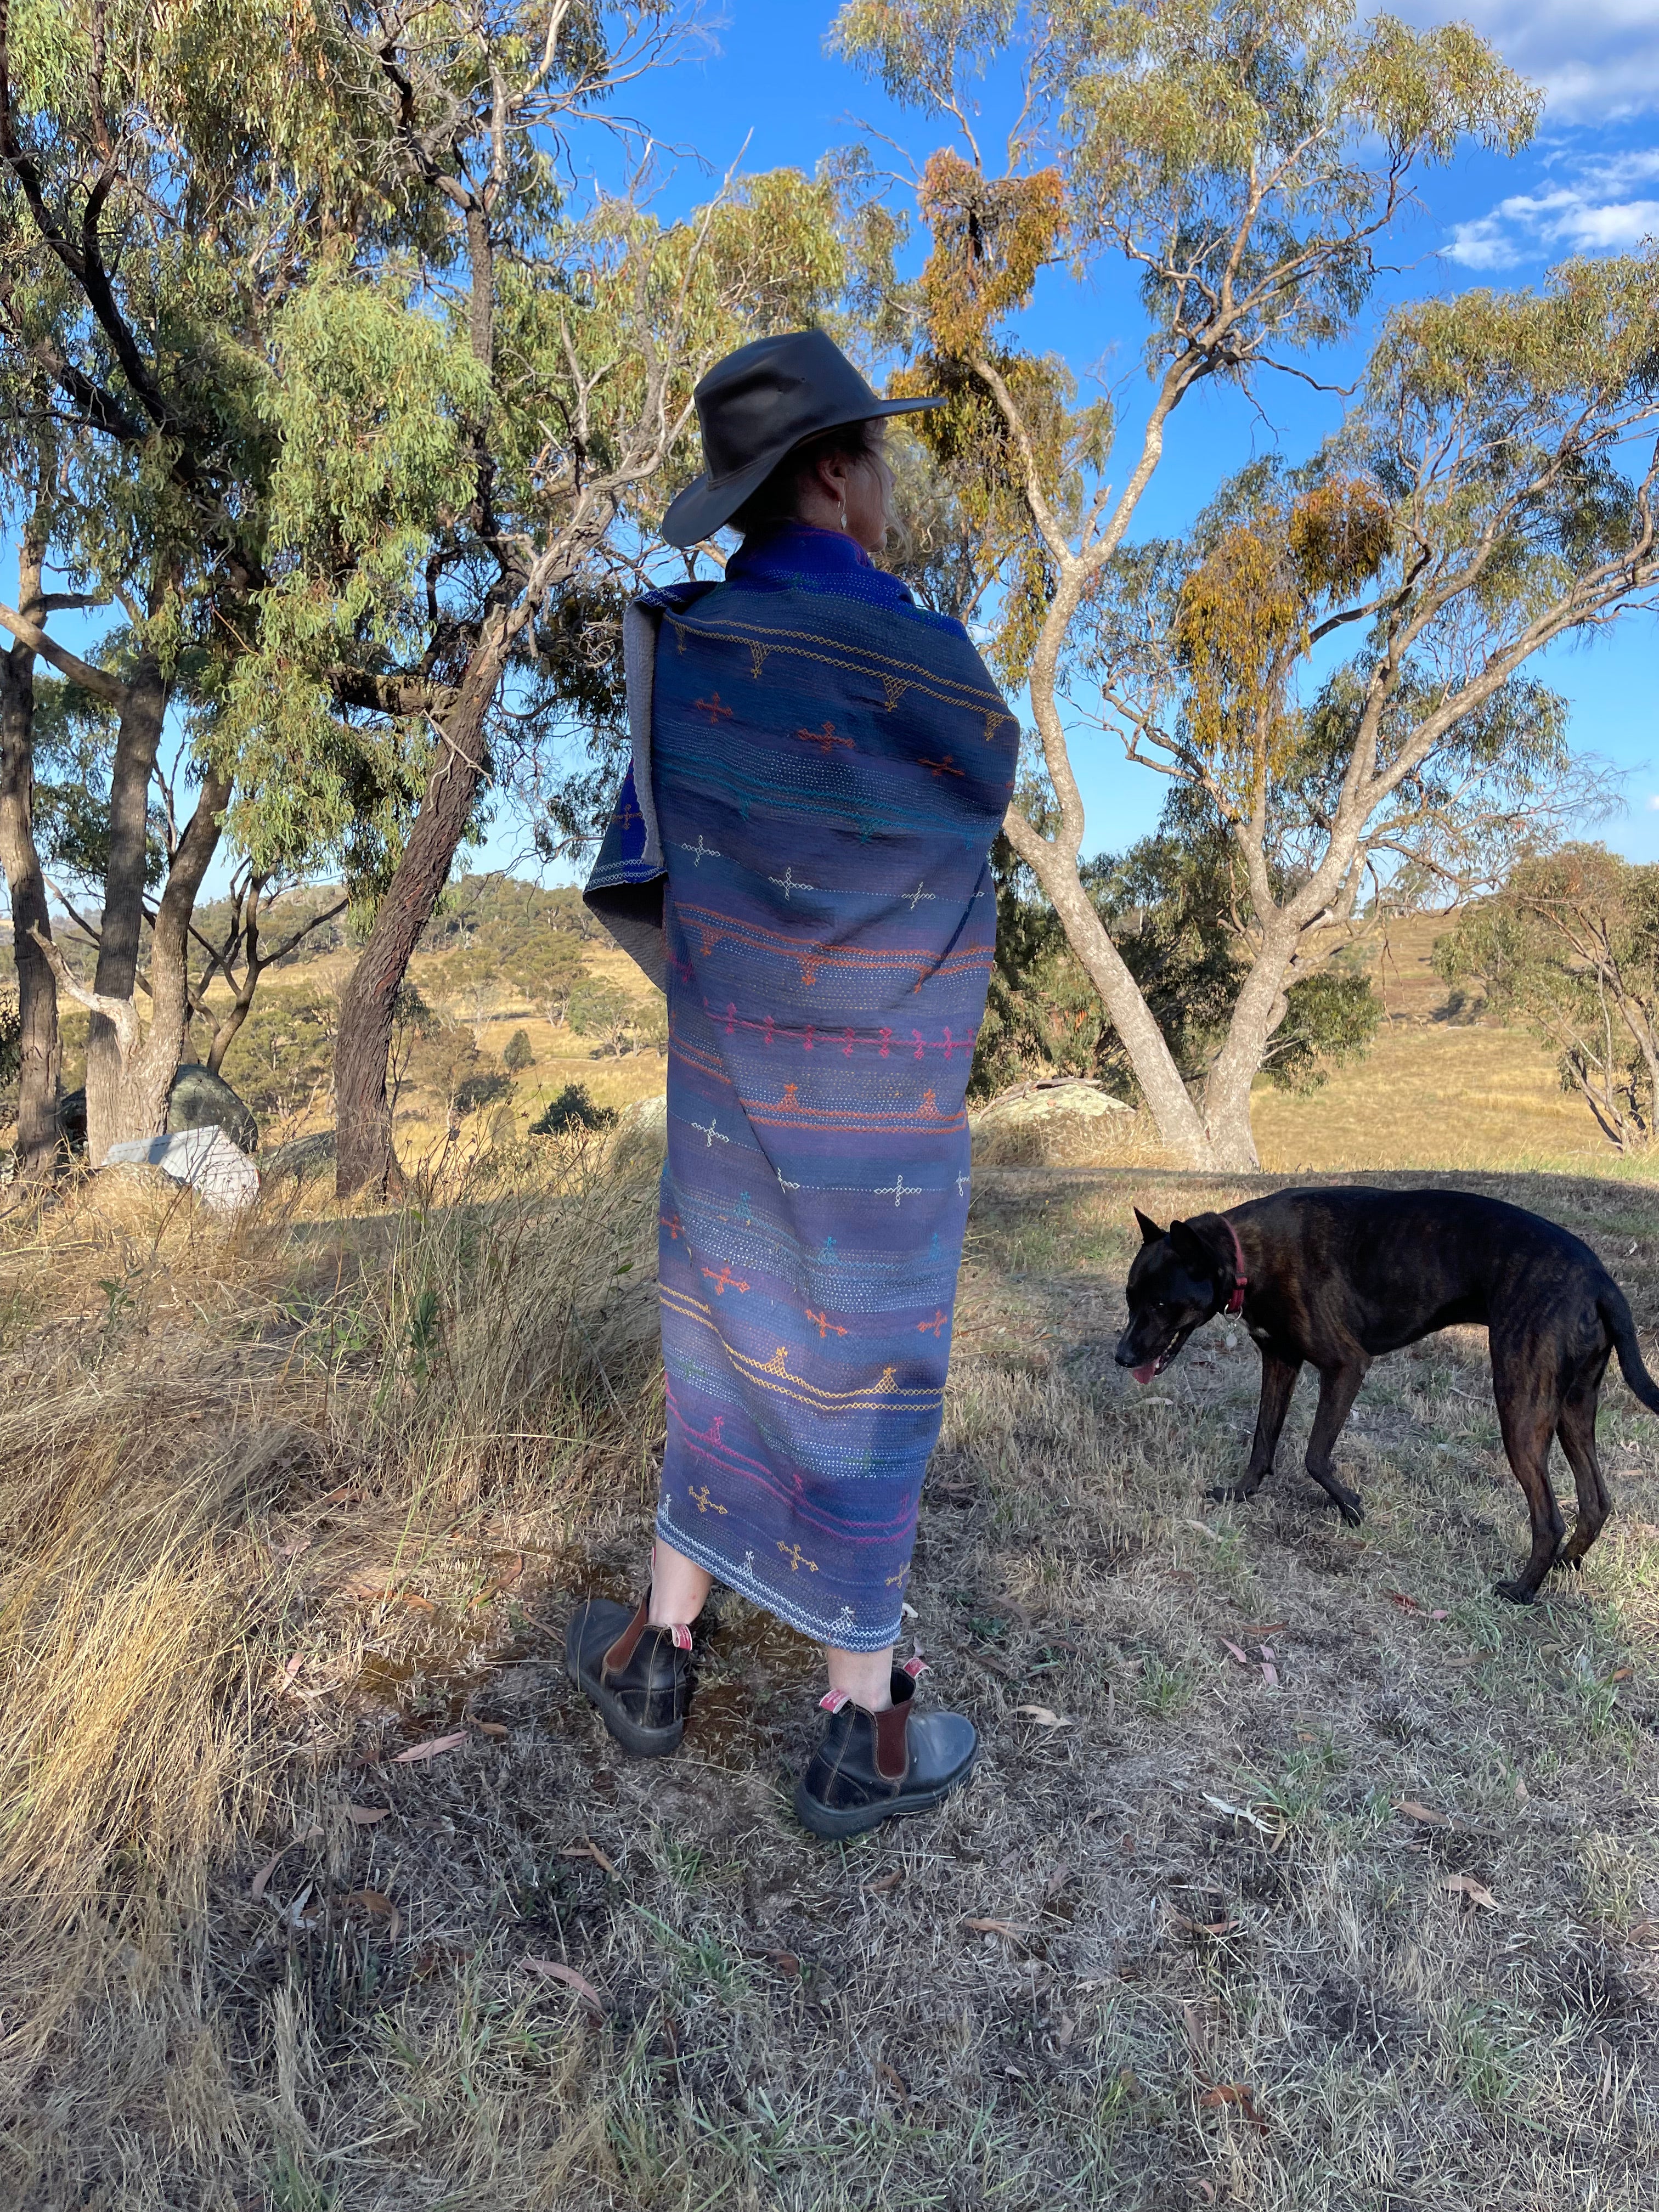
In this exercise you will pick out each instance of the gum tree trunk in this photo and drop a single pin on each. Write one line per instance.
(364, 1159)
(114, 1110)
(39, 1048)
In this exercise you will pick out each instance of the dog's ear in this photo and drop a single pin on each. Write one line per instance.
(1150, 1231)
(1189, 1245)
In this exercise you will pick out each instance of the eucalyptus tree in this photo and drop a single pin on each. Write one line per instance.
(169, 180)
(1568, 948)
(30, 474)
(356, 387)
(570, 333)
(1243, 160)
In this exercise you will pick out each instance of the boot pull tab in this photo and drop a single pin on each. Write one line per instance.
(682, 1636)
(834, 1700)
(915, 1669)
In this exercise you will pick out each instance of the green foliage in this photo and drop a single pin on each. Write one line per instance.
(281, 1059)
(1170, 906)
(518, 1056)
(1569, 947)
(571, 1110)
(605, 1012)
(481, 1089)
(498, 936)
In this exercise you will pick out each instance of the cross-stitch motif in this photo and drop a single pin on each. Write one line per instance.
(827, 767)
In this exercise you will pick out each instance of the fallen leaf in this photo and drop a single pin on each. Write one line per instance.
(1203, 1530)
(377, 1902)
(285, 1680)
(1306, 1736)
(256, 1886)
(494, 1727)
(1477, 1892)
(1240, 1812)
(366, 1816)
(293, 1550)
(884, 1884)
(893, 2078)
(1644, 1934)
(297, 1917)
(1203, 1927)
(1264, 1628)
(995, 1928)
(1399, 1598)
(1269, 1672)
(347, 1495)
(502, 1582)
(1621, 1673)
(372, 1593)
(1045, 1717)
(587, 1849)
(1206, 2190)
(1236, 1652)
(1235, 2092)
(1413, 1811)
(1198, 2032)
(1440, 1614)
(554, 1969)
(1521, 1792)
(786, 1964)
(430, 1749)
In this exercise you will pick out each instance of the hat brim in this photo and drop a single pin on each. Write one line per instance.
(706, 505)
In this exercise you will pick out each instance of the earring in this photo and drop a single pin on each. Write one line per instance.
(843, 510)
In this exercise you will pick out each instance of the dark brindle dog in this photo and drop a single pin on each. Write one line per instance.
(1338, 1277)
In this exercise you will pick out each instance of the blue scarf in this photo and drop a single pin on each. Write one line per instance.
(800, 557)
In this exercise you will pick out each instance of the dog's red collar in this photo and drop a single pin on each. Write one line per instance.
(1242, 1281)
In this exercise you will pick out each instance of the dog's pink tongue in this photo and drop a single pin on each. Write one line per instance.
(1146, 1374)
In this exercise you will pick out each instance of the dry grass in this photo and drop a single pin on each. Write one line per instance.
(278, 1505)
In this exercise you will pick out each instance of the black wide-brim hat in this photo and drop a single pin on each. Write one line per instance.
(755, 407)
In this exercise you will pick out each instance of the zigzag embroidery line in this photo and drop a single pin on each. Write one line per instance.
(866, 813)
(886, 1041)
(712, 926)
(773, 1374)
(923, 678)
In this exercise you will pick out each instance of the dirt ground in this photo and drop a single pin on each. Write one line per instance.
(1298, 1871)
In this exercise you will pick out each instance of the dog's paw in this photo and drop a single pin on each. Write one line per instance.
(1350, 1508)
(1517, 1592)
(1232, 1493)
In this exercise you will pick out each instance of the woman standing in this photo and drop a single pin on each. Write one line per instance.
(799, 856)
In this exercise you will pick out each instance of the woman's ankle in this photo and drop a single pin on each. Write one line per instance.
(679, 1588)
(866, 1676)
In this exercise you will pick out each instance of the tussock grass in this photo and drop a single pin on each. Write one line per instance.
(279, 1503)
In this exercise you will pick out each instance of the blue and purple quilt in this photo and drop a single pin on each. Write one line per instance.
(824, 767)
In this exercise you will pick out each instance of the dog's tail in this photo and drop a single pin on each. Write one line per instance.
(1610, 1305)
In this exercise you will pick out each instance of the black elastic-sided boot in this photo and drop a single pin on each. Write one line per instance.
(872, 1767)
(640, 1677)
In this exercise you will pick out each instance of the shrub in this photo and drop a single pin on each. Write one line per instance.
(476, 1091)
(572, 1110)
(518, 1055)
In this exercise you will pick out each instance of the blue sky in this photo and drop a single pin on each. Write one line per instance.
(760, 87)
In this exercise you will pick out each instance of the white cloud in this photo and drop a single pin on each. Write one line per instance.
(1596, 59)
(1600, 207)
